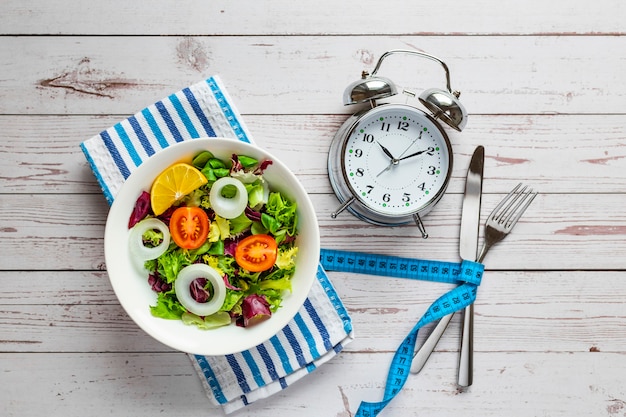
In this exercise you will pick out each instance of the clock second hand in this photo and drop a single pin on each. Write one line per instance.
(411, 144)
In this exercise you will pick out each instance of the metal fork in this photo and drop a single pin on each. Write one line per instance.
(506, 214)
(498, 225)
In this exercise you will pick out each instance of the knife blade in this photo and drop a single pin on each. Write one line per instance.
(470, 221)
(468, 249)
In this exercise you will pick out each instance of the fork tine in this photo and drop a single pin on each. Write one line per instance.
(496, 211)
(512, 205)
(521, 207)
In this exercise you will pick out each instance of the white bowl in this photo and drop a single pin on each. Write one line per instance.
(131, 284)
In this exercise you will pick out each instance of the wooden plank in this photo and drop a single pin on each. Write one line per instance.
(141, 385)
(67, 236)
(56, 287)
(120, 75)
(515, 311)
(324, 17)
(524, 147)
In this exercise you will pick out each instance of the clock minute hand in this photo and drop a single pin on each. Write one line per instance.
(414, 154)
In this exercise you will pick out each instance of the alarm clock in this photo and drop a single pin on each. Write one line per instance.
(389, 163)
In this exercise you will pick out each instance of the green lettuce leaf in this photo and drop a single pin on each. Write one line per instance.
(167, 307)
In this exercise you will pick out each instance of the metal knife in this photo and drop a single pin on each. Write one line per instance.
(470, 222)
(470, 225)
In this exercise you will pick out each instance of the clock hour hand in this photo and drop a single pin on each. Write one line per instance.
(393, 161)
(386, 151)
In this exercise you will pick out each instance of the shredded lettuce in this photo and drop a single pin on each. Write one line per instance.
(152, 237)
(167, 306)
(170, 263)
(250, 296)
(286, 258)
(224, 227)
(219, 319)
(239, 224)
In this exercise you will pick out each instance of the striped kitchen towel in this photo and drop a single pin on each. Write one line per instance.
(320, 329)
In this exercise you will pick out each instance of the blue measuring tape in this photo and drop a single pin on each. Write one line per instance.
(467, 275)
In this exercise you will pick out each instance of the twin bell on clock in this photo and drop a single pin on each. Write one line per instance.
(390, 163)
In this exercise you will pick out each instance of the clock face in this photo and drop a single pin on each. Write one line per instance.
(396, 160)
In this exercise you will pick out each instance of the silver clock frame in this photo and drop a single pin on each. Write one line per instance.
(349, 198)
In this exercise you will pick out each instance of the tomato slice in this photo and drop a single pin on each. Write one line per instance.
(256, 253)
(189, 227)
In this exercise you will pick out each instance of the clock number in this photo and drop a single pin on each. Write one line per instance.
(369, 188)
(406, 197)
(431, 170)
(359, 172)
(368, 137)
(358, 153)
(422, 186)
(403, 126)
(386, 198)
(431, 151)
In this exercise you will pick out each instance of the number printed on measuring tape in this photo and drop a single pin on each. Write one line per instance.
(398, 267)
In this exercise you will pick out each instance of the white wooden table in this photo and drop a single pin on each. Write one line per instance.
(544, 85)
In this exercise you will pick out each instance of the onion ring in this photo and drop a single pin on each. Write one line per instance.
(141, 251)
(189, 274)
(228, 208)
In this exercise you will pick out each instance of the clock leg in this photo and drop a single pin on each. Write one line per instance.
(342, 207)
(420, 225)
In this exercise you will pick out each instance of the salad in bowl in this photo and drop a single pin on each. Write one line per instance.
(212, 246)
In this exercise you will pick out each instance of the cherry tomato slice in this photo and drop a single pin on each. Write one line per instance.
(256, 253)
(189, 227)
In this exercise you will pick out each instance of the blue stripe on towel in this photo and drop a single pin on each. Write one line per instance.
(228, 111)
(338, 347)
(199, 113)
(154, 127)
(143, 139)
(211, 380)
(132, 152)
(256, 372)
(281, 354)
(269, 364)
(241, 377)
(169, 122)
(293, 342)
(96, 172)
(308, 336)
(117, 158)
(182, 113)
(318, 323)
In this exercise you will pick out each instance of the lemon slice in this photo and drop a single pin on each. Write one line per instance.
(173, 184)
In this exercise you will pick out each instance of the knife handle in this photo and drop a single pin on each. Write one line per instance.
(466, 355)
(422, 355)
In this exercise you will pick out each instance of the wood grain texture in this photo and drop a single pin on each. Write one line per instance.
(556, 153)
(543, 83)
(324, 17)
(495, 74)
(144, 385)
